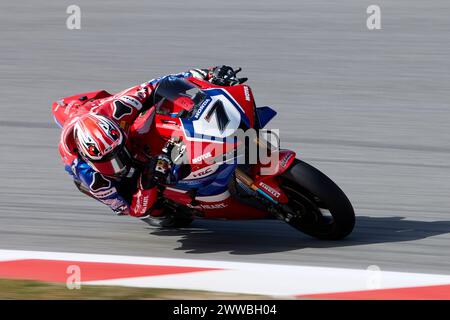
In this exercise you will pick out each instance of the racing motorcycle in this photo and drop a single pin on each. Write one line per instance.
(197, 122)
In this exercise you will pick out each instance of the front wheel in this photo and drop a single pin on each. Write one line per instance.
(318, 207)
(173, 216)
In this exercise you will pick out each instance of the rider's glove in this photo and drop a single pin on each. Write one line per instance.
(163, 168)
(158, 171)
(225, 76)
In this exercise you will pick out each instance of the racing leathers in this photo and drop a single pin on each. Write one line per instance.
(123, 108)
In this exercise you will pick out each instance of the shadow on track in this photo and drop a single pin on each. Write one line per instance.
(270, 236)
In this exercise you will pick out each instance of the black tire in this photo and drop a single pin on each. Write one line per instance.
(171, 218)
(168, 222)
(181, 222)
(309, 190)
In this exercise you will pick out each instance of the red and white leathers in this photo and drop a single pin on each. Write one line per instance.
(123, 108)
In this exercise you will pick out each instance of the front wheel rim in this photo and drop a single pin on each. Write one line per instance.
(309, 213)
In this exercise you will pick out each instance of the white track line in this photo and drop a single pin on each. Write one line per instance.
(241, 277)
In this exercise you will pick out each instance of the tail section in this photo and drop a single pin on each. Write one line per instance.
(65, 107)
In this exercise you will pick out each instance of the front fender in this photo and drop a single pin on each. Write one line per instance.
(276, 166)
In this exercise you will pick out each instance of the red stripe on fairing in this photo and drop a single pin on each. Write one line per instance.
(56, 270)
(439, 292)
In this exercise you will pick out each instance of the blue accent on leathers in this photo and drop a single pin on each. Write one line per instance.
(106, 193)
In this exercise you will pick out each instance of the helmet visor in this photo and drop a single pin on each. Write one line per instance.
(115, 165)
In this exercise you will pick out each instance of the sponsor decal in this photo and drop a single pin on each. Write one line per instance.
(69, 106)
(210, 206)
(142, 205)
(201, 108)
(131, 101)
(247, 93)
(61, 103)
(269, 189)
(214, 206)
(114, 203)
(104, 194)
(202, 173)
(189, 182)
(142, 93)
(202, 157)
(285, 160)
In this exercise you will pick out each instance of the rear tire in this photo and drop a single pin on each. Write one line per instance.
(310, 192)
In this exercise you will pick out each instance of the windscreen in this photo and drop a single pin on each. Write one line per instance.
(177, 97)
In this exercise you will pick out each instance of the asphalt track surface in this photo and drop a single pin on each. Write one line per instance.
(368, 108)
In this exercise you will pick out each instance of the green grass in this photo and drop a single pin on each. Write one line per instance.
(34, 290)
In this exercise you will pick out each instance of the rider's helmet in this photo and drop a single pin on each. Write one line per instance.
(101, 143)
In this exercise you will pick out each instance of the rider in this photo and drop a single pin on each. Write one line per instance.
(97, 148)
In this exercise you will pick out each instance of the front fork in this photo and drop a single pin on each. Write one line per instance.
(249, 182)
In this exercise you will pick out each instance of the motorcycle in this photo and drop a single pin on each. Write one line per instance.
(197, 122)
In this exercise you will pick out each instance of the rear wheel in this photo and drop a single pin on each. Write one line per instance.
(318, 207)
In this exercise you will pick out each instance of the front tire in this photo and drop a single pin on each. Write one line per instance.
(169, 221)
(310, 193)
(172, 217)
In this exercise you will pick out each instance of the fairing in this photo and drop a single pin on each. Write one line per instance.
(203, 126)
